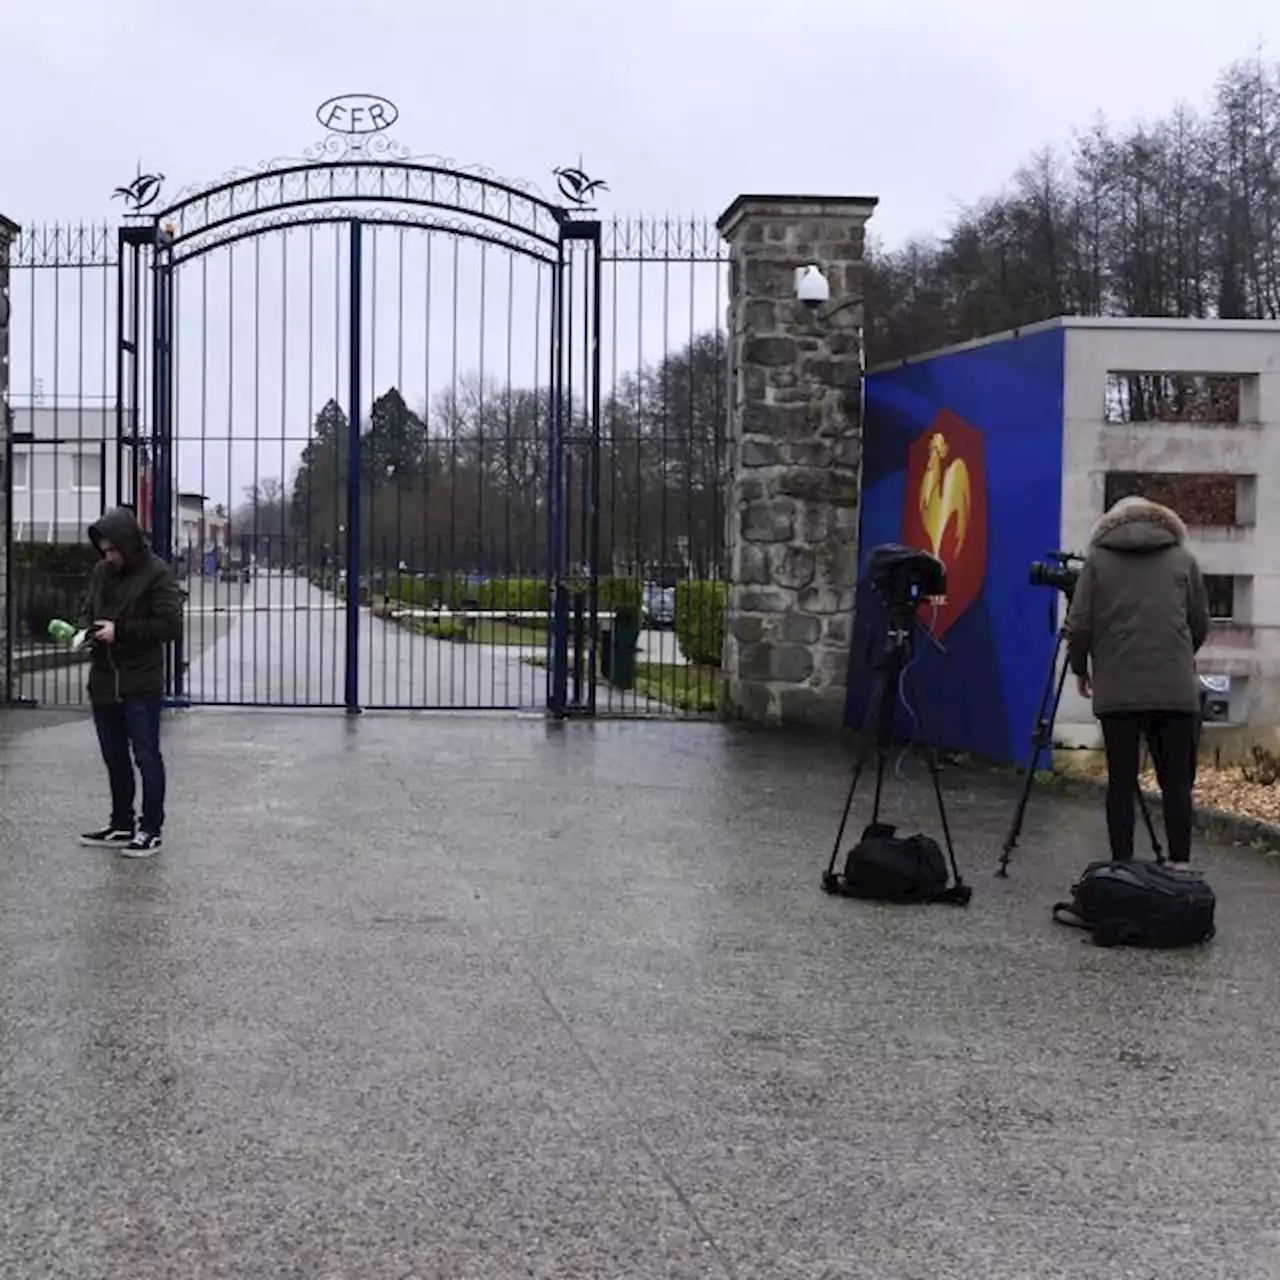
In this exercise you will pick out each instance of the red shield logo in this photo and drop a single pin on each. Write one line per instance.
(945, 512)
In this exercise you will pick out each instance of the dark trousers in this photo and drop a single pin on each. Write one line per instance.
(1174, 739)
(133, 726)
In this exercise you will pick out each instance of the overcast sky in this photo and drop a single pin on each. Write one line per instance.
(679, 105)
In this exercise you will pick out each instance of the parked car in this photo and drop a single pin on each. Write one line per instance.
(235, 571)
(658, 605)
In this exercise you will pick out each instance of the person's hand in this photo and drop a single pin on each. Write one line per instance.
(105, 632)
(1085, 685)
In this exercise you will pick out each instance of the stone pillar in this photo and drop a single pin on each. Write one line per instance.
(8, 232)
(795, 454)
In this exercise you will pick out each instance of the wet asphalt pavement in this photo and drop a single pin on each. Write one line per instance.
(470, 998)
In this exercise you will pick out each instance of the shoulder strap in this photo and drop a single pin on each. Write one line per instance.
(140, 582)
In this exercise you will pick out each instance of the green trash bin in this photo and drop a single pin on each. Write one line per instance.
(621, 649)
(606, 650)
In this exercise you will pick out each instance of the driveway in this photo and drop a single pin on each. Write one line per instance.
(461, 997)
(282, 641)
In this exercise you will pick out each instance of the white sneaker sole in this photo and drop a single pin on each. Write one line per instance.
(126, 852)
(103, 844)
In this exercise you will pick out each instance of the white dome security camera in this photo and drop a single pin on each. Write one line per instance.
(811, 287)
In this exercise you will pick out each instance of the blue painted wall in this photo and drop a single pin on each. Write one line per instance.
(980, 695)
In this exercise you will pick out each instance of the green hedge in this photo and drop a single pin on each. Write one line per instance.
(49, 581)
(500, 594)
(55, 557)
(700, 621)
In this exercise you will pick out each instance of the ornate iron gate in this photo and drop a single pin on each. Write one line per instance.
(358, 399)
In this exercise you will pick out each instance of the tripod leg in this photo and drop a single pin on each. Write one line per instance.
(869, 722)
(883, 740)
(1156, 846)
(960, 891)
(1041, 738)
(1145, 809)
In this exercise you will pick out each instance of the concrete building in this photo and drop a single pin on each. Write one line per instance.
(1144, 400)
(1044, 428)
(200, 532)
(64, 469)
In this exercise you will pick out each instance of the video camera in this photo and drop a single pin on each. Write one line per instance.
(1059, 570)
(904, 576)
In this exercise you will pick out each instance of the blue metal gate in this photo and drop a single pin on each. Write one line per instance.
(364, 403)
(380, 596)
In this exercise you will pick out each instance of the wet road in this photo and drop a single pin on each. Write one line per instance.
(283, 642)
(286, 645)
(408, 998)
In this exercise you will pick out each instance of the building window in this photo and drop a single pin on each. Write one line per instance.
(1212, 399)
(21, 470)
(86, 471)
(1204, 499)
(1221, 590)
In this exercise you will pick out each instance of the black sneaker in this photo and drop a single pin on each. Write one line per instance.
(143, 845)
(107, 838)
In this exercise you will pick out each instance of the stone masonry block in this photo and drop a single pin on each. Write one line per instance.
(769, 520)
(762, 600)
(823, 707)
(820, 484)
(793, 567)
(770, 351)
(753, 701)
(751, 564)
(799, 628)
(787, 663)
(825, 600)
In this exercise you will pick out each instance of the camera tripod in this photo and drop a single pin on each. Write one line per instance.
(1042, 739)
(891, 672)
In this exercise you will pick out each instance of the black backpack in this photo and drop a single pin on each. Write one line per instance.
(1140, 904)
(885, 867)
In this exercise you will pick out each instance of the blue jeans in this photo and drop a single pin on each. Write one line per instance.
(122, 726)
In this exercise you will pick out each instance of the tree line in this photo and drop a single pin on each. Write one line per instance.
(1173, 218)
(1178, 217)
(461, 485)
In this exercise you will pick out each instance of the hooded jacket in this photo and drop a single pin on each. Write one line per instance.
(143, 600)
(1139, 613)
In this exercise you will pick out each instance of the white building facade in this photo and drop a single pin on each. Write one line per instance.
(1212, 391)
(64, 469)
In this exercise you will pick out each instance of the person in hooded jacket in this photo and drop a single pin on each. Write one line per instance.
(133, 608)
(1138, 616)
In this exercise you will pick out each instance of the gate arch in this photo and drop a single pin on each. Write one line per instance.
(292, 601)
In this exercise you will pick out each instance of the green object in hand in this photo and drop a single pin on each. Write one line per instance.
(61, 631)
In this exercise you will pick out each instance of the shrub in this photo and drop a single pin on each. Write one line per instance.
(70, 559)
(514, 595)
(49, 581)
(501, 595)
(1266, 768)
(700, 620)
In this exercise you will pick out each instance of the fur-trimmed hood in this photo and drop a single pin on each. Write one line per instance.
(1136, 524)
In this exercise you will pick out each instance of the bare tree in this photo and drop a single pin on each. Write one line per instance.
(1180, 217)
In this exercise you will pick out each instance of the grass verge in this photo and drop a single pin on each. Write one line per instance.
(690, 688)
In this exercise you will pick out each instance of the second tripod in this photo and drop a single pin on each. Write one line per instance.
(1042, 740)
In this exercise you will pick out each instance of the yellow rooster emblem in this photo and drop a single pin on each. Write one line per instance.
(944, 496)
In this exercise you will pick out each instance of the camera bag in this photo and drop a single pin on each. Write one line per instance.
(1140, 904)
(884, 867)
